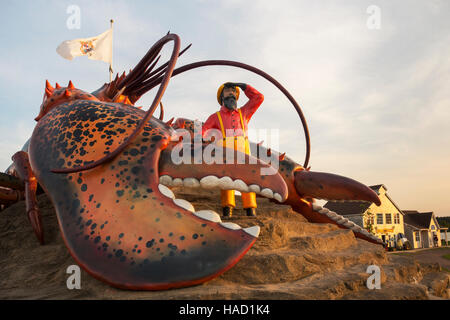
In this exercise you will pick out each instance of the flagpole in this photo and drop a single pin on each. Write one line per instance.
(110, 65)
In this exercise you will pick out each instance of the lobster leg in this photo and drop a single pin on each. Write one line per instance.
(8, 196)
(9, 181)
(23, 168)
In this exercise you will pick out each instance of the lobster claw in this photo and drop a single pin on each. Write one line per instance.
(321, 185)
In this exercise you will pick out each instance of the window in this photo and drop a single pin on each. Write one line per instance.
(417, 236)
(379, 218)
(432, 227)
(388, 218)
(397, 218)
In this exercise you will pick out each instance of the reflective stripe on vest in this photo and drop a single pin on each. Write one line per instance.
(242, 123)
(221, 125)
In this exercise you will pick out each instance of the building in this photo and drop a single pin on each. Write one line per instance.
(422, 229)
(385, 221)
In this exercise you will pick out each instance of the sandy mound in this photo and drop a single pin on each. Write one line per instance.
(292, 259)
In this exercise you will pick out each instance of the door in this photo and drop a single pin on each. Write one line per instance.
(425, 239)
(435, 239)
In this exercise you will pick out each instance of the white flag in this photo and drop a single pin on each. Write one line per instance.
(96, 48)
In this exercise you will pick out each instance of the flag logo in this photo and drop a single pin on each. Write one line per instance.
(87, 46)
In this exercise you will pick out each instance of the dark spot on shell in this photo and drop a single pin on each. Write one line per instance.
(134, 152)
(135, 170)
(149, 244)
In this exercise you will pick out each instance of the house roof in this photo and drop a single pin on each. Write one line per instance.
(415, 228)
(395, 205)
(410, 211)
(356, 207)
(417, 219)
(348, 208)
(377, 187)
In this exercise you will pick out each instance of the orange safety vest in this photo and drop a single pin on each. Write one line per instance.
(240, 142)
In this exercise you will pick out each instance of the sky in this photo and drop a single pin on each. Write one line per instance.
(372, 77)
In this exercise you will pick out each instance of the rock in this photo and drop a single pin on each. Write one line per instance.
(438, 283)
(392, 291)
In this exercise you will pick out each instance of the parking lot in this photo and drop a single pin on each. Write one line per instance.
(430, 255)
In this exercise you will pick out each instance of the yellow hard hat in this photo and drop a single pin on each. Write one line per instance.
(219, 93)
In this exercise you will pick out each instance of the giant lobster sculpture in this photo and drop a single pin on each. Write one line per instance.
(106, 166)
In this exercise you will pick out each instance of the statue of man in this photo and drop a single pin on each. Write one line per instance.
(233, 123)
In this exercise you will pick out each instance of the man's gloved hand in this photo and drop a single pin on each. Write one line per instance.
(243, 86)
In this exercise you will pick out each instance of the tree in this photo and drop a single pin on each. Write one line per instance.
(369, 221)
(444, 222)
